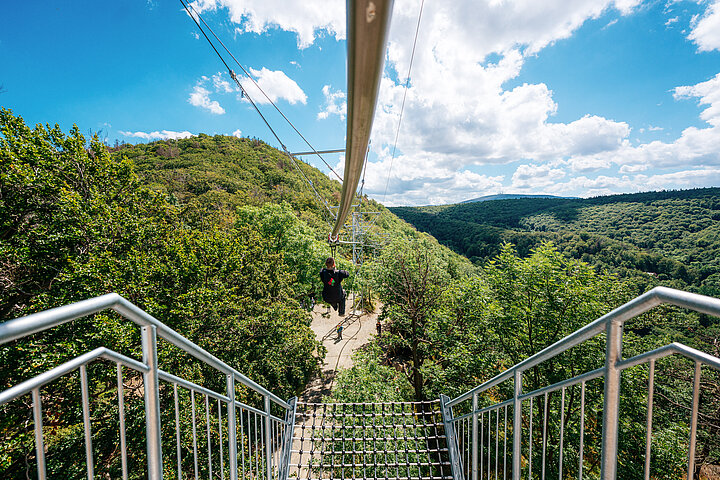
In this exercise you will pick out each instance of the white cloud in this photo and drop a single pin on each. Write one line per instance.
(237, 133)
(457, 110)
(303, 18)
(200, 97)
(672, 20)
(275, 84)
(706, 32)
(536, 176)
(222, 85)
(335, 104)
(709, 94)
(461, 115)
(162, 135)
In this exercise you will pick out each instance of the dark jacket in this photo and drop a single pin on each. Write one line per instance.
(332, 290)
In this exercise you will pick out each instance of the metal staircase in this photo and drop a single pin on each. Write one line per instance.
(393, 441)
(196, 431)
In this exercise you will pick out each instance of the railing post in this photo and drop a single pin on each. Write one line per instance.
(152, 403)
(611, 401)
(232, 427)
(451, 438)
(268, 445)
(284, 467)
(517, 424)
(474, 442)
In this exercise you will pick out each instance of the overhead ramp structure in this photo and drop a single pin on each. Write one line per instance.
(368, 22)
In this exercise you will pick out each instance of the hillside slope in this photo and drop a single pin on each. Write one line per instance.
(222, 172)
(669, 237)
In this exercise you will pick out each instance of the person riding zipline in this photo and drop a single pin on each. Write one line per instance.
(332, 290)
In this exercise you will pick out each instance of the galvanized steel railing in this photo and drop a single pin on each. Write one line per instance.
(489, 438)
(256, 444)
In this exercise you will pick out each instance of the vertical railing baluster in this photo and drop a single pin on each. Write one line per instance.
(222, 464)
(39, 440)
(489, 444)
(517, 423)
(86, 422)
(121, 417)
(505, 447)
(562, 431)
(178, 449)
(649, 422)
(152, 403)
(482, 444)
(207, 424)
(474, 441)
(194, 432)
(694, 421)
(258, 450)
(530, 441)
(232, 429)
(497, 440)
(611, 401)
(268, 445)
(544, 440)
(242, 441)
(582, 430)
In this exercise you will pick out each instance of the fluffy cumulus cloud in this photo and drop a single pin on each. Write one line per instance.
(706, 32)
(304, 18)
(428, 183)
(695, 147)
(157, 135)
(335, 104)
(536, 176)
(275, 84)
(465, 112)
(459, 112)
(200, 97)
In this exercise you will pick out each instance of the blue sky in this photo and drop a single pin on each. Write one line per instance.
(581, 97)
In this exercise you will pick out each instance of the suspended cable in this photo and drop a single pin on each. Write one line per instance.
(402, 107)
(254, 105)
(316, 152)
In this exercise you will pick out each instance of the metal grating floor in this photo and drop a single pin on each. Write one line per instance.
(389, 441)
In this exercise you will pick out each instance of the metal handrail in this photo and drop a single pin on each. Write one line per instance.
(53, 374)
(273, 429)
(38, 322)
(645, 302)
(611, 324)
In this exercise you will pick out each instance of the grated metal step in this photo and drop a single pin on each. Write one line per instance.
(387, 441)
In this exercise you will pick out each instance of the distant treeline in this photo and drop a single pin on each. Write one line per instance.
(666, 237)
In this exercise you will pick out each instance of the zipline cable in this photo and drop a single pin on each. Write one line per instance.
(263, 92)
(245, 94)
(402, 107)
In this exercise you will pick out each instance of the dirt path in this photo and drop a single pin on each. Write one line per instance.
(357, 331)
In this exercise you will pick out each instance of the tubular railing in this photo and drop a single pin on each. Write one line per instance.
(239, 440)
(522, 436)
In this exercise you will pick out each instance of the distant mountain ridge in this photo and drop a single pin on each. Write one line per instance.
(669, 237)
(511, 196)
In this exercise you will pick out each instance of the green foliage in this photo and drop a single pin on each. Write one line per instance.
(368, 380)
(667, 238)
(470, 327)
(77, 223)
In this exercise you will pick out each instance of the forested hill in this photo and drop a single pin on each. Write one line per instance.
(222, 172)
(668, 237)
